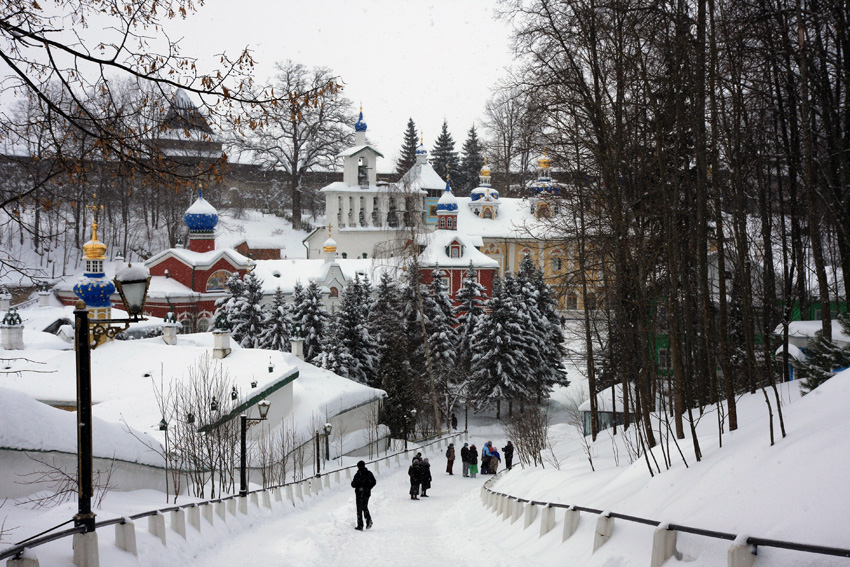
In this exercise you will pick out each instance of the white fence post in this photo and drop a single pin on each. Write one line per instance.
(516, 511)
(231, 506)
(125, 536)
(327, 481)
(156, 526)
(178, 522)
(571, 518)
(530, 514)
(221, 510)
(663, 545)
(278, 496)
(86, 553)
(27, 559)
(547, 520)
(254, 499)
(193, 513)
(604, 529)
(243, 505)
(740, 554)
(266, 499)
(207, 512)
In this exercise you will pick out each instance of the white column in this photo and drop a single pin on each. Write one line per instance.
(156, 526)
(86, 552)
(604, 529)
(178, 522)
(571, 518)
(663, 546)
(547, 520)
(125, 537)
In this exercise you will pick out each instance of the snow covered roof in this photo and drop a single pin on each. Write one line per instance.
(793, 351)
(124, 377)
(809, 329)
(284, 274)
(515, 220)
(340, 186)
(354, 150)
(201, 259)
(435, 254)
(422, 177)
(270, 243)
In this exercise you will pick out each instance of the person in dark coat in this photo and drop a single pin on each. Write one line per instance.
(508, 450)
(425, 476)
(454, 422)
(450, 458)
(473, 461)
(464, 458)
(363, 483)
(415, 474)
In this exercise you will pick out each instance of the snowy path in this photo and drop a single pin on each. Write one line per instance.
(405, 531)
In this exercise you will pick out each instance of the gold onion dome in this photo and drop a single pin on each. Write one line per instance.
(330, 243)
(94, 249)
(485, 171)
(544, 162)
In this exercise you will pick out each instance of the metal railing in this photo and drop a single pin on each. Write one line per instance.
(754, 541)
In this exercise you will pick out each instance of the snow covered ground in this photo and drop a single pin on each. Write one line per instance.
(796, 490)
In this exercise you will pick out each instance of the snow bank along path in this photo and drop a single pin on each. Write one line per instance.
(429, 531)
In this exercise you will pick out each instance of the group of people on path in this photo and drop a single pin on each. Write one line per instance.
(420, 474)
(490, 458)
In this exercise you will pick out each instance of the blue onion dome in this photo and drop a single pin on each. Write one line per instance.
(94, 291)
(447, 203)
(360, 126)
(420, 150)
(201, 216)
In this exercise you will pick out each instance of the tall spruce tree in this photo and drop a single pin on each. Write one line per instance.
(444, 154)
(276, 324)
(472, 160)
(470, 308)
(440, 323)
(396, 378)
(499, 363)
(350, 350)
(312, 318)
(544, 341)
(383, 319)
(246, 318)
(407, 153)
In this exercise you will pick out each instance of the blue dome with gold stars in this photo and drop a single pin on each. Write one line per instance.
(95, 291)
(360, 126)
(201, 216)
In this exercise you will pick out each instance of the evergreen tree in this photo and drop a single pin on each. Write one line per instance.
(351, 351)
(227, 306)
(824, 359)
(407, 154)
(276, 324)
(499, 362)
(396, 378)
(472, 160)
(470, 308)
(246, 317)
(444, 154)
(309, 313)
(441, 332)
(382, 319)
(544, 342)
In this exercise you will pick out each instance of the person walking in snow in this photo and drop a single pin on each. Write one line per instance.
(454, 422)
(473, 461)
(415, 478)
(450, 458)
(425, 476)
(508, 450)
(363, 483)
(464, 458)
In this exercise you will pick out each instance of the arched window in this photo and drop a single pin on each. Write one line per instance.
(334, 292)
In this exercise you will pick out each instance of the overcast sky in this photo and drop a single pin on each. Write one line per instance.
(428, 60)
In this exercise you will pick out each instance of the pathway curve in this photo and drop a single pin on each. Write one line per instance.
(405, 532)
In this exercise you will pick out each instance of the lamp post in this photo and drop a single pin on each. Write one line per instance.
(326, 432)
(263, 406)
(132, 284)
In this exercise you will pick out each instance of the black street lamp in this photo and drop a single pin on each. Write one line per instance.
(326, 432)
(263, 406)
(132, 285)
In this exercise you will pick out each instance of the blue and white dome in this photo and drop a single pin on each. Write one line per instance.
(201, 216)
(447, 203)
(95, 290)
(421, 151)
(484, 194)
(360, 126)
